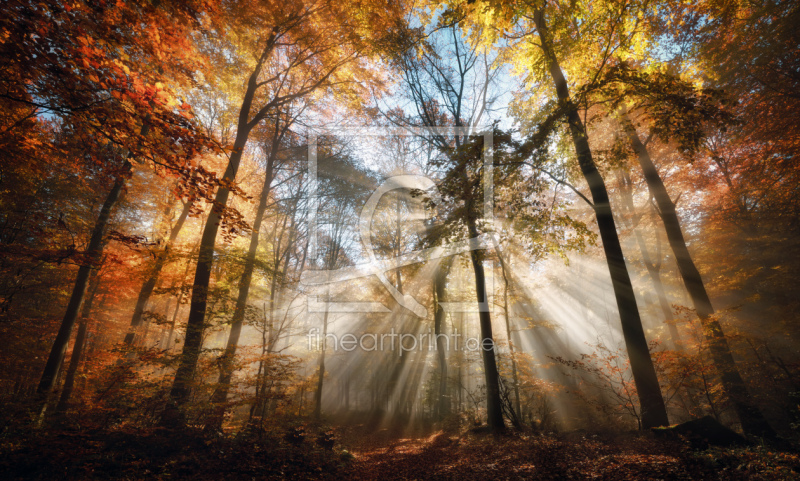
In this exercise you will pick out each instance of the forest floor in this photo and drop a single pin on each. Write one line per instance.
(574, 456)
(364, 453)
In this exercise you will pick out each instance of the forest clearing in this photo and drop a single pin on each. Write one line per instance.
(378, 239)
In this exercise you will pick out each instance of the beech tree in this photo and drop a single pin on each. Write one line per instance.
(752, 420)
(275, 147)
(529, 22)
(77, 69)
(282, 40)
(150, 282)
(679, 112)
(457, 92)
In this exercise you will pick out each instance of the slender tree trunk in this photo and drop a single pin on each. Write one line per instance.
(397, 239)
(147, 288)
(196, 322)
(69, 380)
(653, 267)
(460, 356)
(195, 325)
(753, 421)
(268, 340)
(261, 370)
(494, 407)
(174, 321)
(93, 254)
(514, 374)
(443, 404)
(687, 398)
(321, 378)
(654, 271)
(77, 348)
(220, 395)
(654, 412)
(330, 263)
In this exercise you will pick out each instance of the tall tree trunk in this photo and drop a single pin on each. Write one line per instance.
(171, 334)
(653, 267)
(514, 374)
(654, 412)
(330, 263)
(255, 408)
(686, 396)
(77, 347)
(147, 288)
(494, 406)
(397, 240)
(195, 325)
(93, 254)
(753, 421)
(440, 281)
(220, 395)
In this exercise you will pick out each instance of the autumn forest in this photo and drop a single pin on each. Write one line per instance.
(379, 239)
